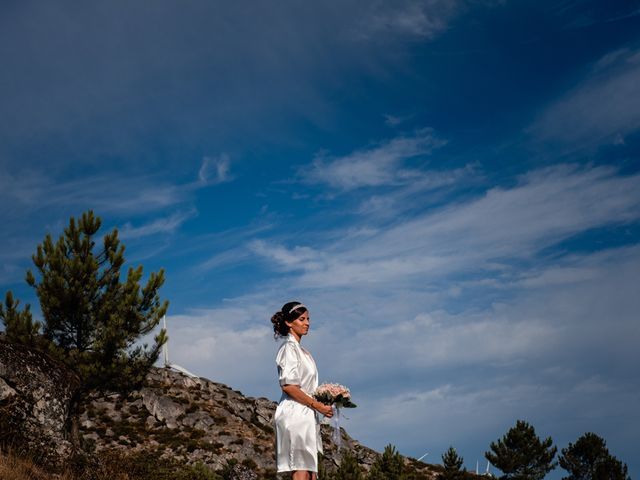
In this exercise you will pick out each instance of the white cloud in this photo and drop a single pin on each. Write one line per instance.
(158, 226)
(393, 120)
(547, 206)
(572, 374)
(376, 166)
(440, 321)
(227, 345)
(48, 202)
(601, 109)
(541, 346)
(215, 170)
(298, 258)
(227, 258)
(422, 376)
(31, 190)
(492, 338)
(429, 189)
(419, 18)
(422, 19)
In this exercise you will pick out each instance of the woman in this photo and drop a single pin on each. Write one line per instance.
(297, 429)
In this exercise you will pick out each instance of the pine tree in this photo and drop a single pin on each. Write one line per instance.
(388, 466)
(19, 325)
(349, 468)
(521, 455)
(589, 459)
(93, 317)
(452, 463)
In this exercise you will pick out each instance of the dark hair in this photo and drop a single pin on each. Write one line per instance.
(280, 328)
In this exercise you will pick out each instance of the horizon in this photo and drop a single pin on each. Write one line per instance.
(452, 187)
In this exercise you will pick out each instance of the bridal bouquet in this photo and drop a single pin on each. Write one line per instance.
(334, 394)
(338, 396)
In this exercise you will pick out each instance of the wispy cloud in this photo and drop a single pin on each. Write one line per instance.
(231, 258)
(106, 192)
(423, 191)
(215, 170)
(603, 108)
(380, 165)
(582, 15)
(420, 18)
(120, 193)
(138, 203)
(395, 120)
(504, 224)
(298, 258)
(158, 226)
(423, 19)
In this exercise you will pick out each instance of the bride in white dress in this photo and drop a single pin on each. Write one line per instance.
(297, 423)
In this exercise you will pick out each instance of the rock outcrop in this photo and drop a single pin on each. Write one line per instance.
(195, 420)
(35, 396)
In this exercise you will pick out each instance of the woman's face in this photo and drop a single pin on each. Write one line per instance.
(299, 326)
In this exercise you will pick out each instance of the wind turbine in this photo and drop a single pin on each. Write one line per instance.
(487, 472)
(423, 456)
(165, 353)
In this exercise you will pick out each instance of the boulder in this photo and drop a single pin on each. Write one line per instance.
(162, 408)
(35, 397)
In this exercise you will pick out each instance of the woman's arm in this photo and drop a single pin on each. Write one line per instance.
(295, 392)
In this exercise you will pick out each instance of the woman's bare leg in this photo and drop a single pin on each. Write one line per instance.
(313, 476)
(300, 475)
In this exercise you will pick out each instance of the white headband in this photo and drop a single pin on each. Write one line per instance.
(295, 307)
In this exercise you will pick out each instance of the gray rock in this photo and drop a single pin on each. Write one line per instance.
(35, 395)
(199, 420)
(162, 408)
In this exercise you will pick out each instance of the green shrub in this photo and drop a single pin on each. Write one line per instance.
(197, 472)
(349, 468)
(388, 466)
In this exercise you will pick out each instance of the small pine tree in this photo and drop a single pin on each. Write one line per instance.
(93, 317)
(19, 325)
(589, 459)
(452, 463)
(388, 466)
(349, 468)
(521, 455)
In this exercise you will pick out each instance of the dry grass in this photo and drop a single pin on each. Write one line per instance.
(108, 466)
(16, 467)
(13, 467)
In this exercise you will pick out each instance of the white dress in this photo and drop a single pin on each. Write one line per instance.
(297, 427)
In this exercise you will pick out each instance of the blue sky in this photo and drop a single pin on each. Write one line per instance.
(452, 187)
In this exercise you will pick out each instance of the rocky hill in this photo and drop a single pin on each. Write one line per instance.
(174, 417)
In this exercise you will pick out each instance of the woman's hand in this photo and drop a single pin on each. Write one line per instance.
(325, 410)
(298, 395)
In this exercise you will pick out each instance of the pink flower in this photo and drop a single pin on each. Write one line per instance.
(334, 393)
